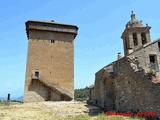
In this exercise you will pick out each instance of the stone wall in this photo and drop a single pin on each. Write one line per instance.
(55, 96)
(53, 61)
(109, 95)
(103, 91)
(38, 91)
(142, 55)
(97, 92)
(135, 90)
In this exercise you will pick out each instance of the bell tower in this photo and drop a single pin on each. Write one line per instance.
(135, 35)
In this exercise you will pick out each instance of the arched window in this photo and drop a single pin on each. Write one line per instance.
(143, 38)
(135, 41)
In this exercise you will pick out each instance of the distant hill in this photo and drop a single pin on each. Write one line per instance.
(3, 99)
(20, 98)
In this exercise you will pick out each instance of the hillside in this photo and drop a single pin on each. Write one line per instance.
(81, 94)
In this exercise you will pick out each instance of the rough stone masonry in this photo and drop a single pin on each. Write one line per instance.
(50, 61)
(131, 83)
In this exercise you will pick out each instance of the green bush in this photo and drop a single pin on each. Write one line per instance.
(81, 94)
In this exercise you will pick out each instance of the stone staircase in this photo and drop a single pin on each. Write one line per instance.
(55, 87)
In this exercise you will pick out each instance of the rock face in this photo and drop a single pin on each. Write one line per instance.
(131, 83)
(50, 61)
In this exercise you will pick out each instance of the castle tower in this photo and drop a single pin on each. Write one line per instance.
(50, 61)
(135, 35)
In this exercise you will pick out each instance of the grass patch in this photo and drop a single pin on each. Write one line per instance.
(2, 103)
(102, 116)
(79, 117)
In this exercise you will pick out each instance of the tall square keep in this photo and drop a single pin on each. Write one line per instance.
(50, 61)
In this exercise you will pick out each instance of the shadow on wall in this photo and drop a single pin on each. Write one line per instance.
(39, 88)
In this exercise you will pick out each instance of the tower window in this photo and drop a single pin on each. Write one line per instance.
(143, 38)
(52, 41)
(135, 41)
(153, 62)
(152, 59)
(36, 75)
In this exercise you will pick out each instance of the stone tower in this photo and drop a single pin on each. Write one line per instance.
(50, 61)
(135, 35)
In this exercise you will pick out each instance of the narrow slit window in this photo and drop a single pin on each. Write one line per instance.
(126, 44)
(159, 46)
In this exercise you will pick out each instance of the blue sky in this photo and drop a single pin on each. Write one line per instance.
(100, 22)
